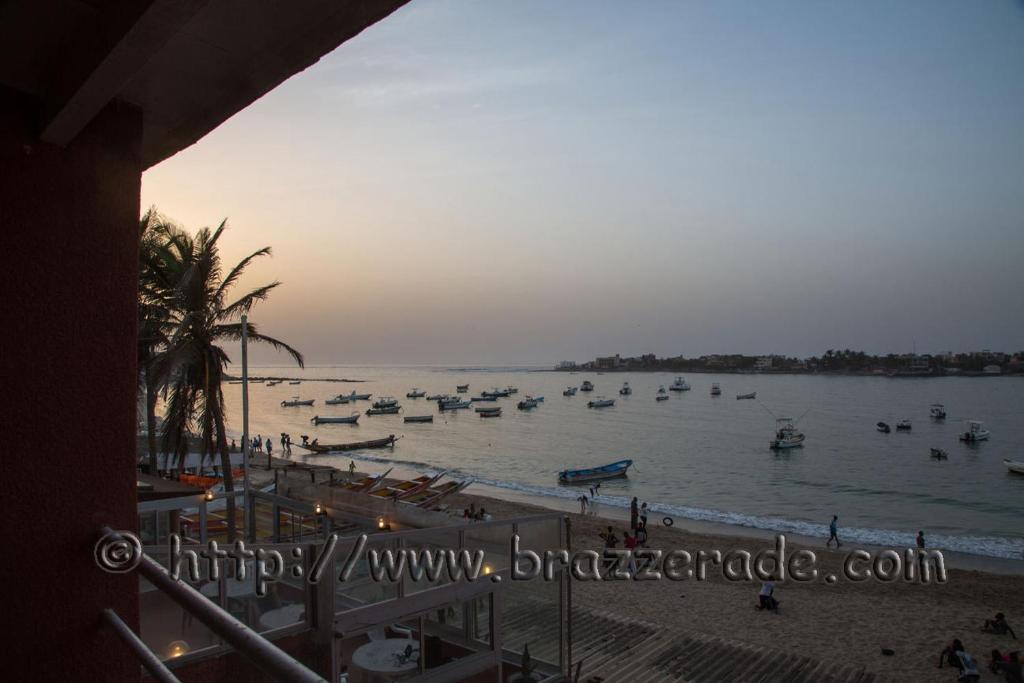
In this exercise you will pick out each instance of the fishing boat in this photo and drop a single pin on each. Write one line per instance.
(786, 435)
(416, 393)
(419, 418)
(587, 385)
(317, 447)
(462, 388)
(511, 390)
(389, 410)
(430, 497)
(438, 397)
(939, 454)
(298, 381)
(625, 390)
(363, 484)
(337, 400)
(485, 397)
(453, 404)
(497, 393)
(937, 411)
(1015, 466)
(538, 399)
(489, 411)
(526, 404)
(569, 391)
(359, 397)
(273, 382)
(330, 419)
(408, 488)
(742, 397)
(716, 390)
(661, 388)
(601, 402)
(292, 403)
(974, 431)
(903, 426)
(661, 397)
(385, 402)
(615, 469)
(882, 427)
(679, 385)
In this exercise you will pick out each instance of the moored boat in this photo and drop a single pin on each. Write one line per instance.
(625, 390)
(601, 402)
(975, 431)
(526, 404)
(295, 402)
(883, 427)
(937, 411)
(661, 397)
(453, 404)
(408, 488)
(903, 425)
(296, 382)
(337, 400)
(387, 410)
(489, 411)
(679, 385)
(1015, 466)
(741, 397)
(415, 392)
(359, 397)
(385, 402)
(716, 390)
(331, 419)
(486, 397)
(786, 435)
(438, 397)
(496, 393)
(587, 385)
(462, 388)
(615, 469)
(939, 454)
(419, 418)
(569, 391)
(362, 484)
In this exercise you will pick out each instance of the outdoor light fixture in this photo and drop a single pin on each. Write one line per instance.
(488, 569)
(209, 497)
(177, 649)
(318, 509)
(381, 523)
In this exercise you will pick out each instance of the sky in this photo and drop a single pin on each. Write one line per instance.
(529, 182)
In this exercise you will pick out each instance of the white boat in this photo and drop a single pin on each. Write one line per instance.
(453, 404)
(786, 435)
(385, 402)
(587, 385)
(679, 385)
(329, 419)
(337, 400)
(1015, 466)
(974, 431)
(601, 402)
(569, 391)
(297, 402)
(937, 411)
(716, 390)
(358, 397)
(903, 426)
(661, 388)
(416, 393)
(625, 390)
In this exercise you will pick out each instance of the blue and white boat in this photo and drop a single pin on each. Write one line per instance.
(615, 469)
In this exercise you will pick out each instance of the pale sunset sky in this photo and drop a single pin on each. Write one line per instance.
(526, 182)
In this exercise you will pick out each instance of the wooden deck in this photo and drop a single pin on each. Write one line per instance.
(612, 648)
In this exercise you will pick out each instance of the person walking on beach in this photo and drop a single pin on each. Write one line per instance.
(634, 514)
(629, 543)
(351, 468)
(832, 532)
(270, 446)
(288, 443)
(643, 515)
(610, 542)
(583, 504)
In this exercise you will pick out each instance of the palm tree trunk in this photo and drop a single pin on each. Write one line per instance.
(151, 395)
(225, 465)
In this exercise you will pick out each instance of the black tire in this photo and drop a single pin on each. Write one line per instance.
(668, 521)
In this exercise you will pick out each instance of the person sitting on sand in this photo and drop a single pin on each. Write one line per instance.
(766, 597)
(956, 655)
(1008, 665)
(998, 625)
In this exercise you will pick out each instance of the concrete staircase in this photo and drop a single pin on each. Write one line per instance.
(614, 649)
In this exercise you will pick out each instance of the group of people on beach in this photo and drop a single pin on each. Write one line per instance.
(633, 538)
(1006, 663)
(258, 445)
(474, 515)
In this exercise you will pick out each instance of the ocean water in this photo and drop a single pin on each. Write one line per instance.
(697, 456)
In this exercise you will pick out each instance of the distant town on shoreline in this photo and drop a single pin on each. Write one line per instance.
(839, 362)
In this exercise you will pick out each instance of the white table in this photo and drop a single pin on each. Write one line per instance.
(283, 616)
(377, 661)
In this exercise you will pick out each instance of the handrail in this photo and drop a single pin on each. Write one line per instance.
(150, 661)
(243, 639)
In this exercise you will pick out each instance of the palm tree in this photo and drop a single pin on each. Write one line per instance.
(193, 362)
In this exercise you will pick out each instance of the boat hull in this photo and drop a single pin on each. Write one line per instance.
(1014, 466)
(419, 418)
(350, 420)
(610, 471)
(359, 445)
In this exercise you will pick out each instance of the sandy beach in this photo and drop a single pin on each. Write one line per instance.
(847, 621)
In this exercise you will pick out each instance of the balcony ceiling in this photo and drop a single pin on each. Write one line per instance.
(187, 64)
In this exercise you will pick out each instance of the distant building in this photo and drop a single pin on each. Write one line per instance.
(608, 362)
(566, 365)
(763, 364)
(992, 370)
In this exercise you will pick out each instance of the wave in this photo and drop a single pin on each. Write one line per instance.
(988, 546)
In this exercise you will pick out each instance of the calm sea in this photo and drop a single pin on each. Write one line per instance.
(698, 456)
